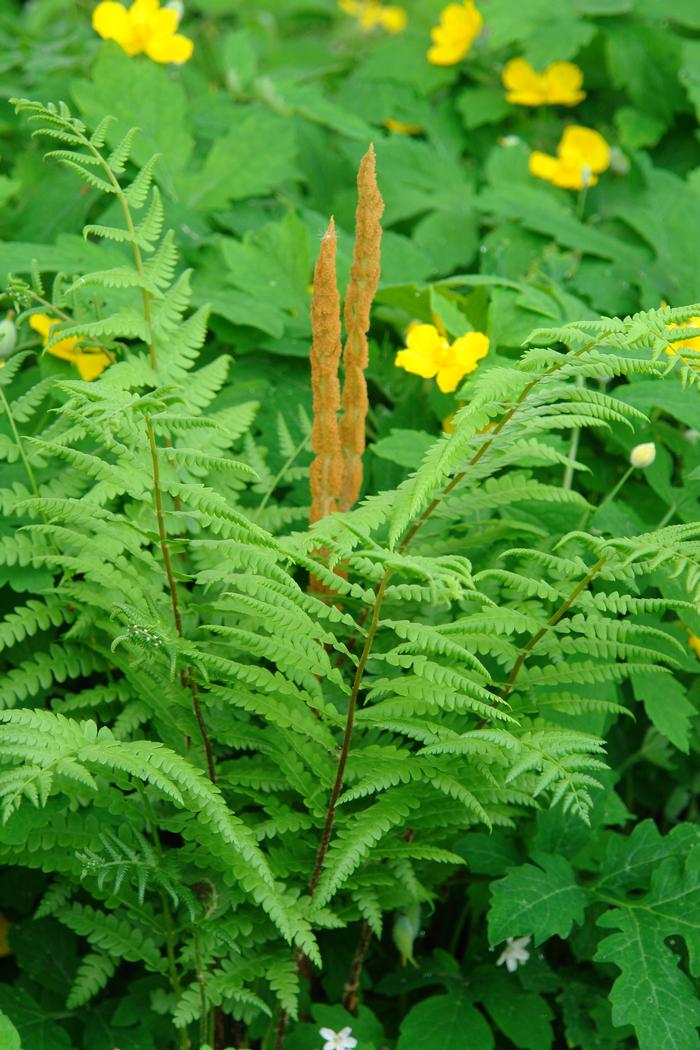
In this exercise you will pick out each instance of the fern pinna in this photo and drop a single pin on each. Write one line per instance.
(214, 765)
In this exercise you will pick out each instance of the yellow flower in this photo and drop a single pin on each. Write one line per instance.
(560, 83)
(400, 128)
(694, 643)
(372, 14)
(89, 360)
(689, 344)
(460, 25)
(429, 354)
(145, 26)
(581, 154)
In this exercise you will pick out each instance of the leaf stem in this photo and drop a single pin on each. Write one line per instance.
(347, 735)
(20, 444)
(136, 250)
(551, 622)
(188, 679)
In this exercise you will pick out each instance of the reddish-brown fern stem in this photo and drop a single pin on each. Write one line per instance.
(551, 622)
(187, 677)
(364, 278)
(327, 467)
(347, 735)
(340, 774)
(353, 982)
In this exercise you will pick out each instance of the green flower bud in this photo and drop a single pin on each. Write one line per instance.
(8, 337)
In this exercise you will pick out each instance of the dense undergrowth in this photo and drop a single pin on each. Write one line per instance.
(422, 773)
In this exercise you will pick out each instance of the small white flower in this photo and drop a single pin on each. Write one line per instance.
(341, 1040)
(338, 1041)
(691, 436)
(643, 455)
(514, 953)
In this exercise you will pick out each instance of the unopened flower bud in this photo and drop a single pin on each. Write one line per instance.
(8, 337)
(619, 163)
(643, 455)
(691, 436)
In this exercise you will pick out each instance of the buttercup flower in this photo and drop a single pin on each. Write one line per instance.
(689, 344)
(372, 14)
(342, 1040)
(144, 27)
(514, 953)
(560, 83)
(643, 456)
(460, 25)
(89, 360)
(694, 643)
(581, 154)
(430, 355)
(400, 128)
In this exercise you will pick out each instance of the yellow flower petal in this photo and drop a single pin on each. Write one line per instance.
(543, 165)
(459, 26)
(394, 19)
(469, 349)
(91, 364)
(65, 349)
(144, 10)
(176, 48)
(113, 22)
(426, 339)
(522, 84)
(689, 344)
(449, 376)
(563, 82)
(585, 147)
(42, 324)
(694, 643)
(425, 351)
(416, 362)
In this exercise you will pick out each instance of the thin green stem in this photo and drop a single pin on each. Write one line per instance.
(136, 250)
(169, 926)
(607, 498)
(573, 449)
(201, 981)
(188, 679)
(283, 470)
(670, 513)
(20, 444)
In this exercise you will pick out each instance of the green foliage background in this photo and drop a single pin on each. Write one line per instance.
(258, 139)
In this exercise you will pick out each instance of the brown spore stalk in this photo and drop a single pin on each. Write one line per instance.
(364, 278)
(327, 467)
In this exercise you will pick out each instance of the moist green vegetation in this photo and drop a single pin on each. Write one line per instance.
(427, 769)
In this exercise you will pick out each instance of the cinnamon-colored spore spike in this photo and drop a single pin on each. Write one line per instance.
(327, 467)
(364, 278)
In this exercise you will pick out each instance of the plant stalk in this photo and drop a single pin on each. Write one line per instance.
(188, 678)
